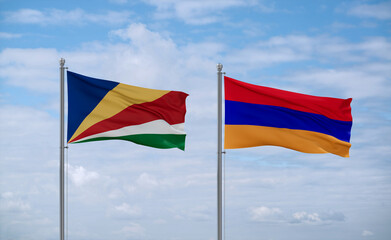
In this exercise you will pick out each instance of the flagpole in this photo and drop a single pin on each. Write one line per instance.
(219, 153)
(62, 149)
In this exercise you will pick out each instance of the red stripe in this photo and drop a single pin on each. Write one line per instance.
(171, 107)
(333, 108)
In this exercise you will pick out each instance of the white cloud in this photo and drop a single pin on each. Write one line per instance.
(317, 218)
(298, 48)
(21, 124)
(198, 12)
(373, 79)
(133, 230)
(11, 203)
(145, 184)
(62, 17)
(202, 179)
(306, 217)
(145, 59)
(125, 211)
(375, 47)
(119, 1)
(195, 213)
(380, 11)
(21, 211)
(16, 205)
(367, 233)
(7, 195)
(342, 26)
(160, 221)
(145, 40)
(34, 69)
(266, 214)
(276, 215)
(145, 180)
(5, 35)
(25, 16)
(80, 176)
(201, 213)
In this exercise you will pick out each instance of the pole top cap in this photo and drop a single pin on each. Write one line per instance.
(219, 67)
(62, 61)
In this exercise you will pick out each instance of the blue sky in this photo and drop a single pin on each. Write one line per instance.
(119, 190)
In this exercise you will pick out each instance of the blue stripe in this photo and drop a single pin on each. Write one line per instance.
(239, 113)
(84, 94)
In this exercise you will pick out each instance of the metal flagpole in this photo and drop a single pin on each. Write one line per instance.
(219, 153)
(62, 148)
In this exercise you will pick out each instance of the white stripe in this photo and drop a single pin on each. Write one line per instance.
(154, 127)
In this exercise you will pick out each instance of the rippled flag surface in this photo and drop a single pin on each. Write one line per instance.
(258, 116)
(105, 110)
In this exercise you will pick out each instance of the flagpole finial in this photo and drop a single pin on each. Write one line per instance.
(62, 61)
(219, 67)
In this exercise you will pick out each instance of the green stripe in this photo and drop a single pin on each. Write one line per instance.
(162, 141)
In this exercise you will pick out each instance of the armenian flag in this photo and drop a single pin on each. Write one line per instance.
(104, 110)
(257, 116)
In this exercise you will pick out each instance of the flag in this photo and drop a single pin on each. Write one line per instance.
(257, 116)
(103, 110)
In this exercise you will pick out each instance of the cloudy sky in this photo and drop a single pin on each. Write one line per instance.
(119, 190)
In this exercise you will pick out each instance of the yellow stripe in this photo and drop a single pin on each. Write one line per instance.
(116, 100)
(242, 136)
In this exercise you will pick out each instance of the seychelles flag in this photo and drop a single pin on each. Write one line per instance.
(104, 110)
(257, 116)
